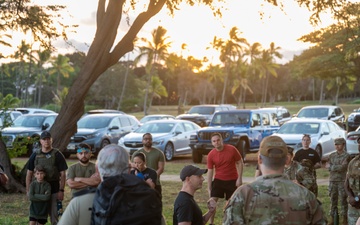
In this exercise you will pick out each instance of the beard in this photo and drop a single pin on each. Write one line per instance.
(84, 160)
(148, 144)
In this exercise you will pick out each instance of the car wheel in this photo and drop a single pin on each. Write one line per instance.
(169, 151)
(197, 155)
(319, 150)
(242, 148)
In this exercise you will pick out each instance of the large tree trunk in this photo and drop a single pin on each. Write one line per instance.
(98, 60)
(13, 184)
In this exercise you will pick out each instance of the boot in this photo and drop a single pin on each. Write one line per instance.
(344, 220)
(330, 221)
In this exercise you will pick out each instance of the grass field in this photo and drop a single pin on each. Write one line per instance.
(14, 207)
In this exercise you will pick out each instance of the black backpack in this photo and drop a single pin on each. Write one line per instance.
(126, 200)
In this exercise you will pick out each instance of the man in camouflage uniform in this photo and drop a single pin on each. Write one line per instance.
(306, 176)
(337, 165)
(352, 188)
(273, 198)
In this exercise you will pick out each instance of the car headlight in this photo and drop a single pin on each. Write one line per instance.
(89, 136)
(27, 134)
(158, 142)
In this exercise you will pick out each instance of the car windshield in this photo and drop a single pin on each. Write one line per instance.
(29, 121)
(231, 118)
(299, 128)
(156, 128)
(150, 118)
(202, 110)
(93, 122)
(314, 113)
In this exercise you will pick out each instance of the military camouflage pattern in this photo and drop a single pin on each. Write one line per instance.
(273, 199)
(338, 163)
(292, 170)
(338, 166)
(353, 215)
(353, 174)
(305, 176)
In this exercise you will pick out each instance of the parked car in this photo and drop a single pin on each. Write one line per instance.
(202, 114)
(326, 112)
(170, 136)
(98, 130)
(352, 147)
(33, 110)
(243, 129)
(322, 133)
(8, 117)
(282, 114)
(353, 120)
(28, 127)
(156, 117)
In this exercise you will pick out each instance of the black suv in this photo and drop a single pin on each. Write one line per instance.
(327, 112)
(202, 114)
(353, 120)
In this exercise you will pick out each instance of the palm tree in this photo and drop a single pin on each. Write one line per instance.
(61, 67)
(156, 52)
(230, 51)
(158, 90)
(42, 58)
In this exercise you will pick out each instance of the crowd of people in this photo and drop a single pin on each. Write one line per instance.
(284, 191)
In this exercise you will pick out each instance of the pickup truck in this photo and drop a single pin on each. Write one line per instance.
(243, 129)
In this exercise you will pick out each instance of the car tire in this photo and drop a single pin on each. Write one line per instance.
(242, 149)
(318, 149)
(169, 151)
(197, 156)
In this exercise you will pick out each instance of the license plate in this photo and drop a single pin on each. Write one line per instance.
(71, 146)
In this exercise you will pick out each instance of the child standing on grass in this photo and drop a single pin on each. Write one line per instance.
(39, 195)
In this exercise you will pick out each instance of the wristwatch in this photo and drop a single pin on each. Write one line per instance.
(356, 198)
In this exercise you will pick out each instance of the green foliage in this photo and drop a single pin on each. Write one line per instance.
(130, 105)
(21, 146)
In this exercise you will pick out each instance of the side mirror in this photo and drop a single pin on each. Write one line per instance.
(178, 132)
(114, 128)
(45, 126)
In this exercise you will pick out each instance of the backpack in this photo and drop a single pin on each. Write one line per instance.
(126, 200)
(49, 164)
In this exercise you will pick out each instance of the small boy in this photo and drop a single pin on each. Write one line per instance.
(39, 195)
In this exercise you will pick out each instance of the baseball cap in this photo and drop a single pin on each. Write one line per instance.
(45, 134)
(339, 141)
(273, 142)
(190, 170)
(83, 147)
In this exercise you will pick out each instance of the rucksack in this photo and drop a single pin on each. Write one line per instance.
(126, 200)
(48, 161)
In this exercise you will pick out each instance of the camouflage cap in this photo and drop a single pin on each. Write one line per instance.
(273, 142)
(339, 141)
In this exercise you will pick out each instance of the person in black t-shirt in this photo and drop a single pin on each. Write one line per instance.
(185, 207)
(305, 154)
(142, 171)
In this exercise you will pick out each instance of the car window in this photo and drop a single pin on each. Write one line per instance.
(50, 120)
(189, 127)
(273, 119)
(255, 120)
(124, 122)
(179, 128)
(133, 122)
(325, 128)
(265, 119)
(115, 123)
(202, 110)
(332, 127)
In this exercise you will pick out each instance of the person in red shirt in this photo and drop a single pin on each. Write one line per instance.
(228, 165)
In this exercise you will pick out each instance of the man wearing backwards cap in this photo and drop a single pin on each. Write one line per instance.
(82, 174)
(186, 210)
(273, 198)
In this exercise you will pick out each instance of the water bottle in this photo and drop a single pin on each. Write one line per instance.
(140, 175)
(336, 217)
(59, 207)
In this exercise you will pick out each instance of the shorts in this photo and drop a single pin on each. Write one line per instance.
(219, 188)
(41, 221)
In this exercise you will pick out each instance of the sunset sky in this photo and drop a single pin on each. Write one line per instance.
(197, 27)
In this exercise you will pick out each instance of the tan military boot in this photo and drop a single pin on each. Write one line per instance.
(330, 221)
(344, 220)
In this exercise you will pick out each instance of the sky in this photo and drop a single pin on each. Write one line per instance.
(196, 26)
